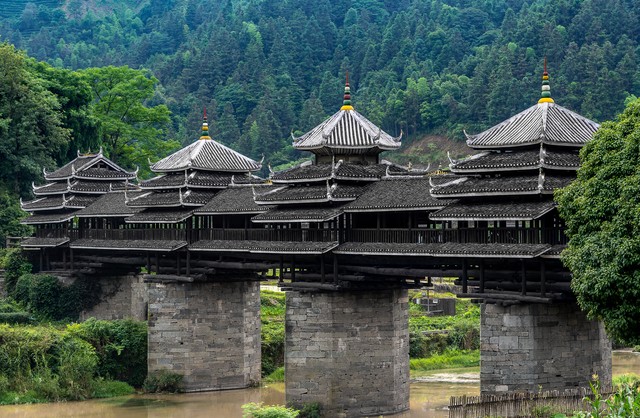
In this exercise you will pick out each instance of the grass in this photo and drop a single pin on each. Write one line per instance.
(276, 376)
(452, 359)
(111, 388)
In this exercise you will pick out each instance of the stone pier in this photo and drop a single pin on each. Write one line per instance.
(121, 297)
(529, 347)
(207, 332)
(348, 351)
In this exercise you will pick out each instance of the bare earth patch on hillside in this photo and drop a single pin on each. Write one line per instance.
(432, 149)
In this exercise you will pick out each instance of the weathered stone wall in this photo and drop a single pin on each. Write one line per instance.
(207, 332)
(349, 351)
(531, 346)
(120, 297)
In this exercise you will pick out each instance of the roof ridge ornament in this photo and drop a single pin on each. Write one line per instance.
(126, 186)
(180, 197)
(346, 101)
(545, 96)
(543, 154)
(541, 179)
(205, 127)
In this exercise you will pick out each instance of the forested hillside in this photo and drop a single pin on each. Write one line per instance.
(266, 67)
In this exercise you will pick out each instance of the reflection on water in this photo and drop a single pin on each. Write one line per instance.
(430, 394)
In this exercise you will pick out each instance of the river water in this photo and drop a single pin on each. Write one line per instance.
(430, 394)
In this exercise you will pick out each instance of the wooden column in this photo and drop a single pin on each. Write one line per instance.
(64, 259)
(178, 263)
(157, 263)
(543, 278)
(188, 263)
(465, 276)
(293, 268)
(481, 290)
(523, 273)
(71, 258)
(41, 259)
(148, 263)
(322, 273)
(335, 269)
(281, 272)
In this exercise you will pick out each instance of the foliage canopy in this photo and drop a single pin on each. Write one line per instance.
(602, 213)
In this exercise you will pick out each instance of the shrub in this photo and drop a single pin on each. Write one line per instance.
(15, 265)
(257, 410)
(311, 410)
(50, 300)
(43, 363)
(121, 347)
(163, 381)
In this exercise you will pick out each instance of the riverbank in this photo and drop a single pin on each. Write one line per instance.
(430, 393)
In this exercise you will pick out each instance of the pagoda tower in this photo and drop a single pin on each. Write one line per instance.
(506, 231)
(364, 334)
(67, 190)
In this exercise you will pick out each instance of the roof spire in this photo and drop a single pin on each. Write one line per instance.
(346, 102)
(205, 126)
(546, 90)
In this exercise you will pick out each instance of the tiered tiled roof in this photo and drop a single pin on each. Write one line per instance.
(523, 160)
(190, 178)
(346, 132)
(75, 186)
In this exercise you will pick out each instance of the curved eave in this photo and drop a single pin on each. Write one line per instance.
(290, 202)
(302, 180)
(473, 170)
(35, 193)
(527, 144)
(194, 167)
(240, 212)
(496, 218)
(365, 148)
(492, 193)
(394, 209)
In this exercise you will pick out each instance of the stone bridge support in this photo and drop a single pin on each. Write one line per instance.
(348, 351)
(207, 332)
(550, 346)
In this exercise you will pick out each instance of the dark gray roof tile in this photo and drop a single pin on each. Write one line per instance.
(396, 193)
(494, 210)
(264, 247)
(444, 250)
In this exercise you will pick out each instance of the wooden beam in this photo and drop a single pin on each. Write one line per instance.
(507, 297)
(167, 277)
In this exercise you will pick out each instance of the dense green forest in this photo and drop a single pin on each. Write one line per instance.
(267, 67)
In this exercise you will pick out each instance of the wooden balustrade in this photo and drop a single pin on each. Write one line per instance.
(386, 235)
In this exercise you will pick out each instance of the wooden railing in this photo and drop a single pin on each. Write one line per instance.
(264, 234)
(386, 235)
(136, 234)
(462, 235)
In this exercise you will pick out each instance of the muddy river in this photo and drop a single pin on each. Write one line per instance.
(430, 394)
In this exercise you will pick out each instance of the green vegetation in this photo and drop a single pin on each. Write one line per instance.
(48, 299)
(601, 212)
(44, 364)
(266, 67)
(453, 359)
(163, 381)
(258, 410)
(272, 309)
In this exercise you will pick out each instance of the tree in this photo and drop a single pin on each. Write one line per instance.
(602, 213)
(31, 125)
(130, 130)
